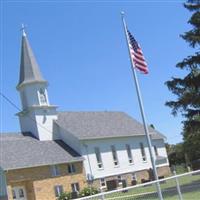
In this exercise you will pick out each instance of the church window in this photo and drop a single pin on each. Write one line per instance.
(143, 152)
(71, 168)
(42, 97)
(119, 178)
(58, 190)
(55, 170)
(129, 153)
(114, 154)
(98, 157)
(155, 150)
(102, 182)
(21, 193)
(75, 187)
(134, 177)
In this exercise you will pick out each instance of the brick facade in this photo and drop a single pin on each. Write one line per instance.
(143, 175)
(39, 182)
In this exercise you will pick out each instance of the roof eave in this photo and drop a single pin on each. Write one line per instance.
(107, 137)
(21, 85)
(42, 165)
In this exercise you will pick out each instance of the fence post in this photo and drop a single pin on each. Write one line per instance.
(102, 194)
(102, 197)
(178, 186)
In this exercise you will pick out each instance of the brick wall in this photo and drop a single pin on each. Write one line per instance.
(164, 171)
(39, 182)
(143, 174)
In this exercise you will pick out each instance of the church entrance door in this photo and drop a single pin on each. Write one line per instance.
(19, 193)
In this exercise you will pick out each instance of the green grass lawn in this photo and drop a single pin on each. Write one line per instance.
(190, 187)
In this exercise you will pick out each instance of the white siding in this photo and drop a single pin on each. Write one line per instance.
(37, 120)
(120, 144)
(43, 129)
(45, 120)
(161, 150)
(70, 139)
(30, 93)
(160, 146)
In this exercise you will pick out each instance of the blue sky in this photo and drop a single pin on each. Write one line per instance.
(81, 50)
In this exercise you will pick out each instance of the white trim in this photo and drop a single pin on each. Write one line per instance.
(50, 164)
(21, 85)
(118, 136)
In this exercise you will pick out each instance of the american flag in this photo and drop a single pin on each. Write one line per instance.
(136, 54)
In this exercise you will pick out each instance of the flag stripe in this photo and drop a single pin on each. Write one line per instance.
(139, 61)
(137, 54)
(141, 66)
(144, 70)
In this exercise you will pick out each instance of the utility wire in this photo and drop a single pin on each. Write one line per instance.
(9, 101)
(16, 107)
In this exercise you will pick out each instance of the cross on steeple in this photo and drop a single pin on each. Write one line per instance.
(23, 30)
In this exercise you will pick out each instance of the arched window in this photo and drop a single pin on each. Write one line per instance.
(42, 96)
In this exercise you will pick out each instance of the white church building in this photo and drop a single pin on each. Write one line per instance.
(111, 146)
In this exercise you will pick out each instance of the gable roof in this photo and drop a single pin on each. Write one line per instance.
(91, 125)
(23, 151)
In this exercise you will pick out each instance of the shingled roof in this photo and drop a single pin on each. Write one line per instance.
(91, 125)
(23, 151)
(29, 70)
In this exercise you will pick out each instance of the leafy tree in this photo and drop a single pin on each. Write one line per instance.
(176, 154)
(187, 89)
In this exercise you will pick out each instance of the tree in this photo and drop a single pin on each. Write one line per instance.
(187, 89)
(176, 154)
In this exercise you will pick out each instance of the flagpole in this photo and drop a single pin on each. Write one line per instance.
(142, 112)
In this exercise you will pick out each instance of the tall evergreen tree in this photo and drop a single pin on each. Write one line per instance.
(187, 89)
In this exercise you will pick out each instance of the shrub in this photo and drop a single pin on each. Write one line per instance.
(65, 196)
(88, 191)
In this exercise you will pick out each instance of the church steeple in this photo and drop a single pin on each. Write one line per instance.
(29, 69)
(37, 115)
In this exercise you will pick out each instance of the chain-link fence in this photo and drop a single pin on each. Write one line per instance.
(183, 187)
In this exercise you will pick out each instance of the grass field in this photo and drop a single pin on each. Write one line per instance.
(190, 188)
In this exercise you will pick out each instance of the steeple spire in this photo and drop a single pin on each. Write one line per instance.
(23, 30)
(29, 69)
(37, 115)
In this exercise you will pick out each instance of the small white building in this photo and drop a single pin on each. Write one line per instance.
(113, 144)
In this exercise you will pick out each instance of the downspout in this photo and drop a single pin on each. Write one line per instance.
(90, 168)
